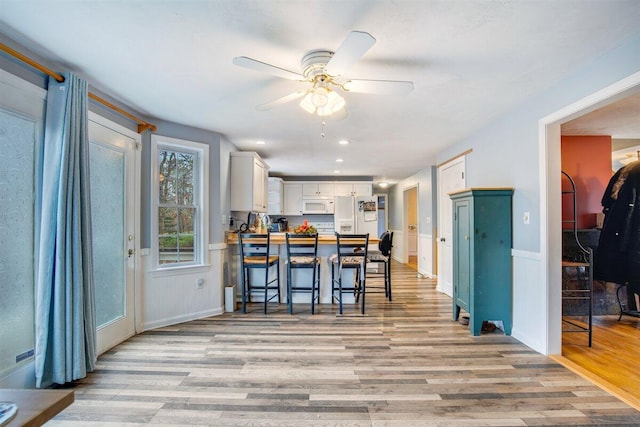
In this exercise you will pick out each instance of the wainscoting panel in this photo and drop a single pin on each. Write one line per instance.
(529, 300)
(426, 258)
(171, 297)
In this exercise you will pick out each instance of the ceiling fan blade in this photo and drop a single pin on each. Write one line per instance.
(256, 65)
(351, 49)
(283, 100)
(379, 87)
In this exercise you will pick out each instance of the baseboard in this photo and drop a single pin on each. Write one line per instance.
(161, 323)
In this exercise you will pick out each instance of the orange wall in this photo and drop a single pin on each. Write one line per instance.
(587, 159)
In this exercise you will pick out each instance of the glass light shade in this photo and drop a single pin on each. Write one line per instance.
(307, 105)
(320, 97)
(334, 103)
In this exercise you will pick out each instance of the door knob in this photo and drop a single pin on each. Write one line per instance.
(131, 252)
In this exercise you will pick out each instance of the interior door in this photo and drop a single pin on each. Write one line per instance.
(450, 178)
(113, 169)
(412, 225)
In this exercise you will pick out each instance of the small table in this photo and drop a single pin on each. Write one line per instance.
(36, 407)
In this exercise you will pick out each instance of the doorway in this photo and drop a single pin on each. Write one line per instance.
(114, 171)
(410, 227)
(382, 213)
(551, 212)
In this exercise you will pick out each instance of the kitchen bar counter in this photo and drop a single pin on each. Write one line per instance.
(279, 239)
(326, 247)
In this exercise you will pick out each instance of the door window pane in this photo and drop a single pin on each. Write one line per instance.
(18, 141)
(108, 222)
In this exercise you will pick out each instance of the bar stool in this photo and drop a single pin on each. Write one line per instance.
(254, 254)
(351, 255)
(302, 253)
(383, 256)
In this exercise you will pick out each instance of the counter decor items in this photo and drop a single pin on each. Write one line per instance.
(305, 228)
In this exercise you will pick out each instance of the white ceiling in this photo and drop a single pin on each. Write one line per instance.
(471, 61)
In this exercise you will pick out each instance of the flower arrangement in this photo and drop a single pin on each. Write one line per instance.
(305, 228)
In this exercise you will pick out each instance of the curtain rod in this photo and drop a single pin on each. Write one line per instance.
(142, 125)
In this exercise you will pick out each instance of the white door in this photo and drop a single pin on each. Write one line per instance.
(450, 179)
(113, 163)
(412, 222)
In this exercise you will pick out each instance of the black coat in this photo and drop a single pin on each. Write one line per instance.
(617, 258)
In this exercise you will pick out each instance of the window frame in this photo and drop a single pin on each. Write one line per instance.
(200, 200)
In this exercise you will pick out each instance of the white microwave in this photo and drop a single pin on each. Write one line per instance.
(317, 206)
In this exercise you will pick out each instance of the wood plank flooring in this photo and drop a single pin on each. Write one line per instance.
(404, 363)
(612, 360)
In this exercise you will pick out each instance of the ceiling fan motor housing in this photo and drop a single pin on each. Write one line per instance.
(314, 63)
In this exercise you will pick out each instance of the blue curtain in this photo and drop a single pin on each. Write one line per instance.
(65, 348)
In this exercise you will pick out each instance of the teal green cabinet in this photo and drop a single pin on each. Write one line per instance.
(482, 272)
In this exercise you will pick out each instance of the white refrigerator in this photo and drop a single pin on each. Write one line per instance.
(356, 215)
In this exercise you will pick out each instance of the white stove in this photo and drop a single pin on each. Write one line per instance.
(323, 227)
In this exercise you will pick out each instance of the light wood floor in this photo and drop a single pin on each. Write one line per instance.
(405, 363)
(613, 359)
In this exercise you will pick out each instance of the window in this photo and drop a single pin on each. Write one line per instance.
(180, 168)
(21, 110)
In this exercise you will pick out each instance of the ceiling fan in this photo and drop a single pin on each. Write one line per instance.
(323, 71)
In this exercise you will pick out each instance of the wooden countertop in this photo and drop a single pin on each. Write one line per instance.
(279, 239)
(36, 407)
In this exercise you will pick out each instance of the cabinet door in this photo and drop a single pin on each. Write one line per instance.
(362, 190)
(259, 187)
(462, 254)
(326, 189)
(292, 199)
(341, 189)
(310, 189)
(275, 199)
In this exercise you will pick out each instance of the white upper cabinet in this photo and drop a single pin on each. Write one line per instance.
(353, 189)
(318, 190)
(276, 199)
(249, 182)
(292, 199)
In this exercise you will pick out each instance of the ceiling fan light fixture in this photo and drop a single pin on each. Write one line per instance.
(333, 104)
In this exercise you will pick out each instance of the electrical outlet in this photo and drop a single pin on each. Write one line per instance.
(199, 283)
(224, 220)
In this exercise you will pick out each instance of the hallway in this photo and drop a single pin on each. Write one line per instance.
(405, 363)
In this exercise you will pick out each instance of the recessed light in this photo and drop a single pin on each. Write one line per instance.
(260, 142)
(336, 171)
(343, 142)
(339, 160)
(383, 184)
